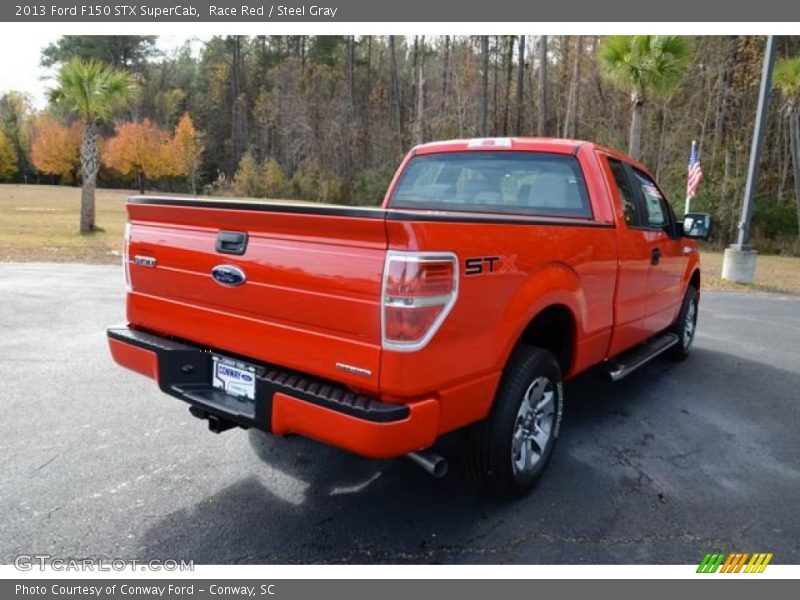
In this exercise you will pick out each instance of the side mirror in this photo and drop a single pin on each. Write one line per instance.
(697, 225)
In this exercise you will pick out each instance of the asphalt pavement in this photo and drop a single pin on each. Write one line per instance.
(675, 461)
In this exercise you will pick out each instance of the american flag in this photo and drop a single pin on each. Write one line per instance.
(695, 175)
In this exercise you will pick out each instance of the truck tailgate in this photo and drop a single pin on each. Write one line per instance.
(311, 299)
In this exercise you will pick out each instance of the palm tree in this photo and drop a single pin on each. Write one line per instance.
(646, 66)
(787, 79)
(93, 91)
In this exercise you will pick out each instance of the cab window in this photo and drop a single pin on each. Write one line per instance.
(625, 192)
(656, 211)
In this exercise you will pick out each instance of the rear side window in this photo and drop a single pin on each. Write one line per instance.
(625, 192)
(533, 183)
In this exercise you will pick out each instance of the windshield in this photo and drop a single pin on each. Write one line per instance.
(534, 183)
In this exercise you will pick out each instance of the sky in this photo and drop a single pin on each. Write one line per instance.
(21, 70)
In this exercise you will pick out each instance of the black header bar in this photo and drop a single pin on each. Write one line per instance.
(382, 11)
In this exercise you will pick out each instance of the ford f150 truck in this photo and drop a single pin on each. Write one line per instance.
(494, 270)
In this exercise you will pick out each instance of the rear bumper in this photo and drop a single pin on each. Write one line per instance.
(285, 401)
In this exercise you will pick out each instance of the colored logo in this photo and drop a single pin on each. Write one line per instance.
(737, 562)
(228, 275)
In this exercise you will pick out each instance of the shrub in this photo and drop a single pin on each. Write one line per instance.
(248, 181)
(774, 219)
(329, 186)
(311, 182)
(370, 187)
(303, 185)
(275, 184)
(8, 158)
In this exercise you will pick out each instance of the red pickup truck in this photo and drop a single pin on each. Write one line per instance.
(494, 270)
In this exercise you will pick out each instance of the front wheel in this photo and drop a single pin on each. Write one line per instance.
(686, 325)
(506, 454)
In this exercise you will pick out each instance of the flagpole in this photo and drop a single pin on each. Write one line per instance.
(686, 207)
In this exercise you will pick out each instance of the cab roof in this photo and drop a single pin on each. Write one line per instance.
(501, 143)
(523, 144)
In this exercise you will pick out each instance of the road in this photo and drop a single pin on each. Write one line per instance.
(673, 462)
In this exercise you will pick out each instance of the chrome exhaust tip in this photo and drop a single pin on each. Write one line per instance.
(432, 463)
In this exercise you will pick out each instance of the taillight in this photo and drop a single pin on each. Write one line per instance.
(125, 262)
(419, 289)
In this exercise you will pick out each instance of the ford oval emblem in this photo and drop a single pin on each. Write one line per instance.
(228, 275)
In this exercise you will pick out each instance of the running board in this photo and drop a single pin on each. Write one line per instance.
(639, 355)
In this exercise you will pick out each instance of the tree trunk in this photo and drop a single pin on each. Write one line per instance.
(90, 165)
(238, 106)
(351, 75)
(445, 74)
(369, 72)
(520, 84)
(302, 55)
(571, 118)
(662, 142)
(509, 73)
(794, 134)
(785, 159)
(635, 140)
(728, 205)
(412, 97)
(395, 90)
(542, 125)
(725, 96)
(419, 122)
(484, 108)
(366, 120)
(496, 70)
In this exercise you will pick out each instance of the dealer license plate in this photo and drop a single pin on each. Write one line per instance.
(233, 377)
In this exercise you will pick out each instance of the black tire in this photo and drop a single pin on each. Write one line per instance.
(490, 445)
(681, 328)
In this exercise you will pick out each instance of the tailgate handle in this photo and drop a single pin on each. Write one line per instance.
(231, 242)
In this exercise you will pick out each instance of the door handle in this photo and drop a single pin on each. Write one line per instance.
(231, 242)
(655, 256)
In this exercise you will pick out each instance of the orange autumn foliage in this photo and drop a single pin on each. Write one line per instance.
(56, 148)
(185, 148)
(148, 152)
(140, 149)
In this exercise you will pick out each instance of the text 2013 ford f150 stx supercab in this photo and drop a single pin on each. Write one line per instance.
(494, 270)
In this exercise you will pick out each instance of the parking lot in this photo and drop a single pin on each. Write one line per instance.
(673, 462)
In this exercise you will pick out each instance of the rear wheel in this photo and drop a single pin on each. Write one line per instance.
(686, 325)
(506, 454)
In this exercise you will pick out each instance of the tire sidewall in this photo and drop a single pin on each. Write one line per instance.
(691, 296)
(680, 351)
(532, 363)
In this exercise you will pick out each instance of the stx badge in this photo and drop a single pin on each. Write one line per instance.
(479, 265)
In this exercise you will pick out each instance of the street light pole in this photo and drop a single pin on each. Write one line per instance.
(739, 263)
